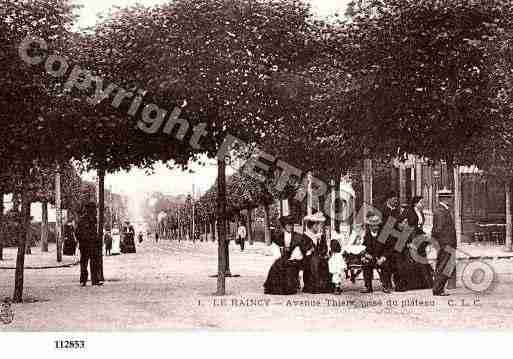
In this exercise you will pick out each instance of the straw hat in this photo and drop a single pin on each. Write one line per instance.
(347, 188)
(373, 219)
(316, 217)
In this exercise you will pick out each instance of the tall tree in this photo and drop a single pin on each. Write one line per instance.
(427, 63)
(24, 96)
(220, 58)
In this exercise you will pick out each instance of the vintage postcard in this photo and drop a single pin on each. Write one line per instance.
(254, 165)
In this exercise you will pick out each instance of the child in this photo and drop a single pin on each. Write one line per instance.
(337, 266)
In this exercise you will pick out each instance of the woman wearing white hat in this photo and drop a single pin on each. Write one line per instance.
(316, 274)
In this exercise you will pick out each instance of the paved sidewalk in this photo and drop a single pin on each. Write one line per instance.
(38, 259)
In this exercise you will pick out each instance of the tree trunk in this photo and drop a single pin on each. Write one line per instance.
(249, 226)
(44, 226)
(22, 239)
(418, 176)
(309, 194)
(332, 199)
(451, 284)
(227, 271)
(457, 204)
(221, 227)
(267, 225)
(15, 201)
(367, 187)
(509, 219)
(101, 220)
(58, 213)
(111, 209)
(1, 226)
(402, 184)
(28, 233)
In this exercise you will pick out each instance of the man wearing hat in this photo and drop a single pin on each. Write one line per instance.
(88, 243)
(444, 234)
(377, 255)
(392, 208)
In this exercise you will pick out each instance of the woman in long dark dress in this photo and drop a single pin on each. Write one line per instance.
(283, 276)
(316, 274)
(416, 219)
(412, 269)
(70, 241)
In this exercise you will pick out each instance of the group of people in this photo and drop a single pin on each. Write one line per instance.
(393, 243)
(392, 251)
(85, 237)
(91, 247)
(300, 252)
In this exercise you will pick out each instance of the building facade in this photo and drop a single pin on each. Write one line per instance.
(480, 198)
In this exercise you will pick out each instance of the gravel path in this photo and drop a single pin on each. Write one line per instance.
(168, 286)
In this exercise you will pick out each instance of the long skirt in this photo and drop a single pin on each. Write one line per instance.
(69, 247)
(412, 275)
(283, 277)
(316, 275)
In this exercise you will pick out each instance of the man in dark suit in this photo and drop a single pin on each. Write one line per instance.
(444, 233)
(392, 209)
(378, 255)
(88, 243)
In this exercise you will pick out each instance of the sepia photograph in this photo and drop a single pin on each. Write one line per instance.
(271, 166)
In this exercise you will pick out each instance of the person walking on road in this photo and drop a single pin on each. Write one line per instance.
(107, 239)
(87, 240)
(241, 236)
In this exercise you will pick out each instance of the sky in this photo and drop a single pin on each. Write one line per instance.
(88, 14)
(136, 183)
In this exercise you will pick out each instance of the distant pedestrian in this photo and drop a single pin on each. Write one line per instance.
(70, 240)
(241, 236)
(87, 240)
(156, 237)
(107, 239)
(128, 241)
